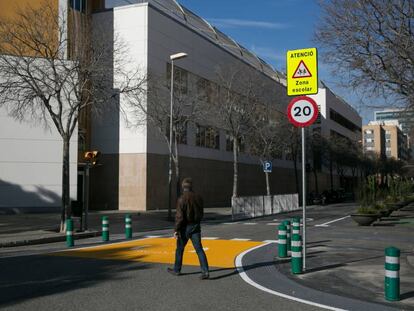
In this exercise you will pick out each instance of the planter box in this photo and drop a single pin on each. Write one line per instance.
(364, 219)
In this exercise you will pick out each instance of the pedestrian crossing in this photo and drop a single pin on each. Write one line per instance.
(251, 223)
(220, 252)
(208, 238)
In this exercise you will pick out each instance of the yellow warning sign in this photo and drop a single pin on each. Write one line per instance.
(302, 72)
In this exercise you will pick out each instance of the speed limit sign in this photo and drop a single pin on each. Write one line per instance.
(302, 111)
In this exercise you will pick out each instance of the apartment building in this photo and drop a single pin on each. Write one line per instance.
(385, 139)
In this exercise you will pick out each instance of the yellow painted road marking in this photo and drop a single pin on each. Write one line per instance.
(220, 253)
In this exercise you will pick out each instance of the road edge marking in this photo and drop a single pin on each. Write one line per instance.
(332, 221)
(244, 276)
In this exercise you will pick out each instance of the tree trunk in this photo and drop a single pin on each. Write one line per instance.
(331, 171)
(235, 167)
(315, 175)
(267, 184)
(66, 212)
(295, 165)
(177, 169)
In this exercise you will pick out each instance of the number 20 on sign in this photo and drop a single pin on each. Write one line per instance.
(302, 111)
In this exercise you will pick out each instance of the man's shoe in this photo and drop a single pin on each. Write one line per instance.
(173, 272)
(204, 276)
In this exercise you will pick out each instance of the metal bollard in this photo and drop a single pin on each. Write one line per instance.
(69, 233)
(296, 262)
(287, 224)
(295, 225)
(128, 226)
(105, 229)
(392, 274)
(282, 246)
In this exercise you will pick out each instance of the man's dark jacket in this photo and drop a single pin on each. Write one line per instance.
(189, 210)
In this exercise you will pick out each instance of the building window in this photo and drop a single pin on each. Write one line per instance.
(78, 5)
(369, 140)
(368, 132)
(208, 137)
(181, 131)
(229, 143)
(180, 79)
(341, 120)
(207, 90)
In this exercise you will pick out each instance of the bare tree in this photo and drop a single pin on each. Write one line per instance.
(150, 107)
(45, 76)
(266, 136)
(293, 149)
(236, 108)
(371, 45)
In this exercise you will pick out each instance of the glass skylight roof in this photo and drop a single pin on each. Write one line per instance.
(173, 8)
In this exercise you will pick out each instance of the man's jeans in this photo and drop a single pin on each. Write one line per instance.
(193, 232)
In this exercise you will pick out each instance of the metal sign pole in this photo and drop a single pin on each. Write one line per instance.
(304, 197)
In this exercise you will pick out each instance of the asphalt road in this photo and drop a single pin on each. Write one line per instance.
(32, 279)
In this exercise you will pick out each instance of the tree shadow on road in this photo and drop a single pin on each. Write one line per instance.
(38, 276)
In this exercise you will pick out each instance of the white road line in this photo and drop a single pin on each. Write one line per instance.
(93, 246)
(248, 280)
(204, 248)
(270, 241)
(210, 238)
(154, 236)
(237, 239)
(250, 223)
(273, 223)
(230, 223)
(332, 221)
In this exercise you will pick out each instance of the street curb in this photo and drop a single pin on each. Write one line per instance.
(52, 239)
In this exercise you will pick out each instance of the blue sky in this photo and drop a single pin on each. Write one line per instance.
(270, 28)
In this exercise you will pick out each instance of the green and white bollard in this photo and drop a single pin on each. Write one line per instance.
(297, 261)
(128, 226)
(105, 228)
(69, 233)
(392, 274)
(295, 225)
(287, 224)
(282, 243)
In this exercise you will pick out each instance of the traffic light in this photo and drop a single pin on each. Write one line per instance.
(92, 156)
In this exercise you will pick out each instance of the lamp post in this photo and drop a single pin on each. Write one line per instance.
(172, 58)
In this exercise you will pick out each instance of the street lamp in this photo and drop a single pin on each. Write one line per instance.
(172, 58)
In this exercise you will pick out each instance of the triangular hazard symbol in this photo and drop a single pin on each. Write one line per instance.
(302, 71)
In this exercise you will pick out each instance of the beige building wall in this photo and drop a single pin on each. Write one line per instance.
(388, 141)
(373, 139)
(391, 141)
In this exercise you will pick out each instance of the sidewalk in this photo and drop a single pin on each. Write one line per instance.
(29, 229)
(348, 260)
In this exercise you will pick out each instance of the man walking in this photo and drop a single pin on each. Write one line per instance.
(189, 213)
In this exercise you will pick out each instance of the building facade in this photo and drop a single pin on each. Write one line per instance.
(31, 151)
(385, 139)
(405, 119)
(135, 161)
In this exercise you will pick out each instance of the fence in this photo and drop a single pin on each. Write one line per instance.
(256, 206)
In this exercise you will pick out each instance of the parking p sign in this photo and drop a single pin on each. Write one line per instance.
(267, 166)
